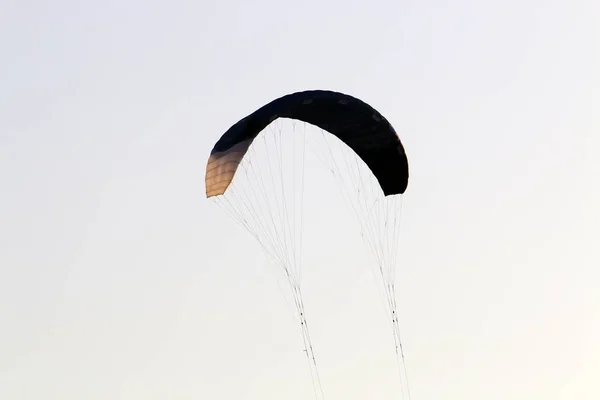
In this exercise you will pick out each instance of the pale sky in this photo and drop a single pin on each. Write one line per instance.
(118, 280)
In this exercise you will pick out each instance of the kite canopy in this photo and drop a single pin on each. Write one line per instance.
(267, 197)
(354, 122)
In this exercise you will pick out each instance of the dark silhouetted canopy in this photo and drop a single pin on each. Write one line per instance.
(354, 122)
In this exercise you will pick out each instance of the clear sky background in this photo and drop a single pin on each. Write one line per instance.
(118, 280)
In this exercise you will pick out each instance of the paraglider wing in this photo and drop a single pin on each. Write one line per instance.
(354, 122)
